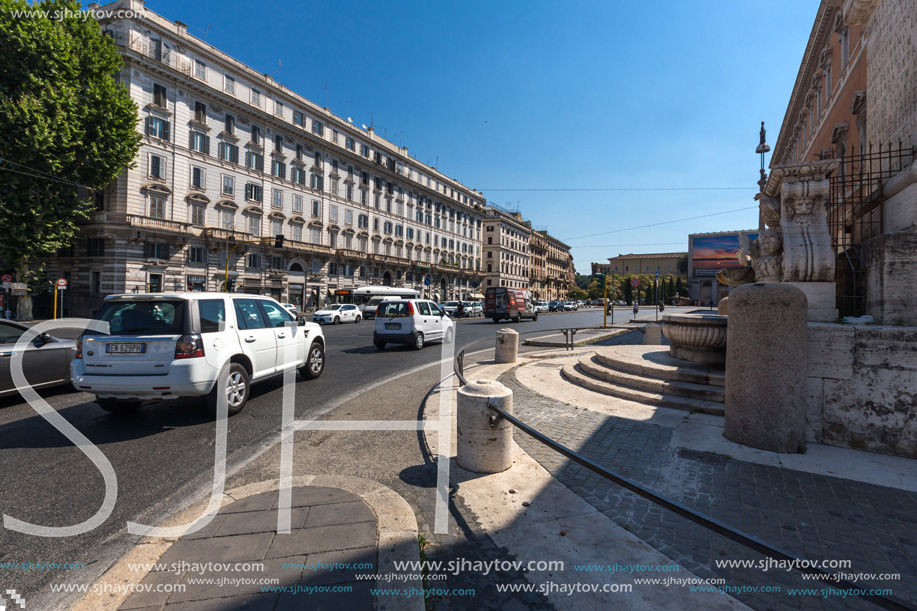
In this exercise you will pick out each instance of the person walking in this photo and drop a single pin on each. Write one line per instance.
(460, 310)
(636, 308)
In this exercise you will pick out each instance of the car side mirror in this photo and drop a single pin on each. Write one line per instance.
(301, 321)
(41, 340)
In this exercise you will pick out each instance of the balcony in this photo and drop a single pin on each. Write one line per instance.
(309, 248)
(142, 222)
(389, 259)
(215, 233)
(350, 254)
(164, 56)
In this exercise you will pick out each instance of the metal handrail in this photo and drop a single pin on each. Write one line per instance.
(733, 534)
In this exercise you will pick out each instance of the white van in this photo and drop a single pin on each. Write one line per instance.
(413, 322)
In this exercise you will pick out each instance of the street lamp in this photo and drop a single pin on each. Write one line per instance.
(762, 148)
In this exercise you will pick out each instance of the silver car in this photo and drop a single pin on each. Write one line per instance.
(45, 360)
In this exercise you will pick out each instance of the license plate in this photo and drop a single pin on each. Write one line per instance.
(392, 325)
(126, 348)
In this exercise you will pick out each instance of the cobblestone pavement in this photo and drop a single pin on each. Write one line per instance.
(813, 516)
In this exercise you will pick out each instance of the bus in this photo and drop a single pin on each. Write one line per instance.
(368, 297)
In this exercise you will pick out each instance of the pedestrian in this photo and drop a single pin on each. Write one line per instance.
(460, 310)
(636, 308)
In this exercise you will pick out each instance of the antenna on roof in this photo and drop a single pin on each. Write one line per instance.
(205, 33)
(325, 89)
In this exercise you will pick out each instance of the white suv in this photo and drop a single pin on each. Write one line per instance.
(166, 346)
(413, 322)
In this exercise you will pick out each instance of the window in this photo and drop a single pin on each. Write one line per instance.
(318, 159)
(317, 182)
(332, 269)
(256, 97)
(254, 161)
(155, 250)
(388, 227)
(349, 192)
(350, 144)
(229, 219)
(157, 128)
(298, 118)
(229, 152)
(333, 214)
(197, 254)
(277, 202)
(410, 233)
(229, 124)
(334, 186)
(249, 314)
(197, 178)
(348, 217)
(316, 235)
(200, 142)
(256, 134)
(316, 208)
(376, 224)
(279, 169)
(363, 221)
(297, 203)
(276, 227)
(297, 233)
(157, 207)
(160, 95)
(253, 192)
(276, 263)
(334, 136)
(317, 128)
(200, 112)
(95, 247)
(399, 231)
(253, 260)
(278, 143)
(299, 152)
(254, 225)
(278, 108)
(364, 150)
(157, 166)
(298, 175)
(229, 185)
(197, 215)
(229, 84)
(363, 196)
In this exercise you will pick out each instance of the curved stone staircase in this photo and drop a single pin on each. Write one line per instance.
(648, 374)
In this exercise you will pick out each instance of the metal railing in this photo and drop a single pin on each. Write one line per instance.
(721, 528)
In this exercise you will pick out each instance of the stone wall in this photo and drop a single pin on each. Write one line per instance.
(862, 387)
(891, 273)
(891, 78)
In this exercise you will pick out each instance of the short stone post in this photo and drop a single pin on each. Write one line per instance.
(482, 448)
(507, 346)
(652, 334)
(766, 367)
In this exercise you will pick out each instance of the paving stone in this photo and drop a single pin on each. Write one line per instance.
(222, 549)
(339, 513)
(256, 602)
(273, 569)
(323, 539)
(259, 522)
(310, 496)
(139, 600)
(320, 569)
(328, 598)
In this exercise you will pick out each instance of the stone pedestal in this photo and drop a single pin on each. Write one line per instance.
(652, 334)
(766, 367)
(507, 346)
(722, 308)
(482, 448)
(821, 298)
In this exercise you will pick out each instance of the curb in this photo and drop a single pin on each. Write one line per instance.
(585, 342)
(396, 539)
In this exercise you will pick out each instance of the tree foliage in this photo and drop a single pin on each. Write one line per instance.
(64, 121)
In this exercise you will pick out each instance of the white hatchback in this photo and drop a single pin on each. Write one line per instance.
(413, 322)
(337, 313)
(166, 346)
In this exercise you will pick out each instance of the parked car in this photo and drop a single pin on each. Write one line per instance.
(555, 306)
(337, 313)
(541, 306)
(413, 322)
(166, 346)
(473, 308)
(502, 303)
(45, 360)
(291, 308)
(450, 308)
(569, 306)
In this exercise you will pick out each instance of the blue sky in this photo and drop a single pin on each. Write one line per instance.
(547, 95)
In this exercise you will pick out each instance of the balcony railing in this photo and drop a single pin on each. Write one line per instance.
(134, 220)
(350, 254)
(308, 247)
(163, 56)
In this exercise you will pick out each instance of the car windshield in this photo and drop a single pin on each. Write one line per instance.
(393, 309)
(336, 306)
(10, 334)
(133, 317)
(451, 304)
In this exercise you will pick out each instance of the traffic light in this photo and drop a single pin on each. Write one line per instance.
(278, 241)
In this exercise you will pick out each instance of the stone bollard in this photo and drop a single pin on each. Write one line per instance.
(507, 346)
(766, 367)
(723, 307)
(652, 334)
(483, 449)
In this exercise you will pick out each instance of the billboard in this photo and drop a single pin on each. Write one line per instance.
(712, 252)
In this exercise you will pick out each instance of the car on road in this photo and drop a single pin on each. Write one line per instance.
(450, 307)
(502, 303)
(291, 308)
(337, 313)
(163, 346)
(555, 306)
(473, 308)
(45, 359)
(414, 322)
(541, 306)
(570, 306)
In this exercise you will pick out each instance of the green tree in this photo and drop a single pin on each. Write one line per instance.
(576, 293)
(596, 290)
(67, 127)
(682, 264)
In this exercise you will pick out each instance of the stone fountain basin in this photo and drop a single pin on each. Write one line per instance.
(699, 338)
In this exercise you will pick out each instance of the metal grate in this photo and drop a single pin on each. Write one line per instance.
(856, 215)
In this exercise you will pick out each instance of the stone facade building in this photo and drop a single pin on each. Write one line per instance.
(551, 273)
(232, 158)
(649, 263)
(505, 244)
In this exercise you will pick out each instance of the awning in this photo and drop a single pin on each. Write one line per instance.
(478, 296)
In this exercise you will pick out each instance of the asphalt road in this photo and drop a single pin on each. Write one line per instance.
(163, 454)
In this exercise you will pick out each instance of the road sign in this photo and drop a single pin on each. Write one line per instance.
(635, 282)
(657, 274)
(427, 281)
(61, 283)
(6, 278)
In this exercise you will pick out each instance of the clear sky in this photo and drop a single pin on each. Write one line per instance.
(547, 95)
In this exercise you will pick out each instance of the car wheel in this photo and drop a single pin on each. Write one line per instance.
(496, 320)
(518, 318)
(418, 340)
(449, 336)
(114, 406)
(379, 345)
(337, 320)
(315, 362)
(236, 390)
(357, 320)
(535, 317)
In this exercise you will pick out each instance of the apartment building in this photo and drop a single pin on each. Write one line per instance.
(230, 159)
(505, 243)
(552, 271)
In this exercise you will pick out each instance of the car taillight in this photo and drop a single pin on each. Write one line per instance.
(189, 347)
(79, 349)
(410, 309)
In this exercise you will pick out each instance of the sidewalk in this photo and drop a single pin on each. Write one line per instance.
(827, 504)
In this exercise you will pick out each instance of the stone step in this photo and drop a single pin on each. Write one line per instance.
(599, 369)
(656, 363)
(578, 377)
